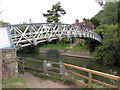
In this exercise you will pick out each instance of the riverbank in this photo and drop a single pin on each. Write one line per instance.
(70, 53)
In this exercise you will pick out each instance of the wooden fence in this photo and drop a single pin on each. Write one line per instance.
(48, 67)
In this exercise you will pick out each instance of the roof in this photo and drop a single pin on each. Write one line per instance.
(85, 24)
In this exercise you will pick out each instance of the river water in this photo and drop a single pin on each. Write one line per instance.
(82, 62)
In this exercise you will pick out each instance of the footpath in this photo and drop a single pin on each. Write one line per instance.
(36, 82)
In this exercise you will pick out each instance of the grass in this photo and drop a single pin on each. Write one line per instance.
(51, 77)
(17, 82)
(0, 83)
(56, 46)
(81, 48)
(60, 46)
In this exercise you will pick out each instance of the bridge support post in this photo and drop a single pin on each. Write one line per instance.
(9, 63)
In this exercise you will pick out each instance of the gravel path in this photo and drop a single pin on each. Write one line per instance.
(36, 82)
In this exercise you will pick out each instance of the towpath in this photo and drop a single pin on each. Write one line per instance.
(36, 82)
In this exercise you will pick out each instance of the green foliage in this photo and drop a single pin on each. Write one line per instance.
(94, 85)
(63, 40)
(108, 52)
(81, 47)
(119, 13)
(54, 14)
(91, 44)
(4, 23)
(101, 30)
(17, 82)
(98, 54)
(68, 82)
(109, 15)
(94, 20)
(38, 74)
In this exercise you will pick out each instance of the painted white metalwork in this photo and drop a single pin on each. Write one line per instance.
(5, 38)
(32, 34)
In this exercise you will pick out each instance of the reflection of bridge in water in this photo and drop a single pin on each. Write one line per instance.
(32, 34)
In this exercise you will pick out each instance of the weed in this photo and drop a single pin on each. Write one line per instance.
(68, 82)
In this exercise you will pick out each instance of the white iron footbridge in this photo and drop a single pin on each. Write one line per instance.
(22, 35)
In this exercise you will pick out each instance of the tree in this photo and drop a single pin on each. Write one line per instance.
(95, 21)
(101, 2)
(118, 13)
(54, 14)
(109, 52)
(109, 15)
(4, 23)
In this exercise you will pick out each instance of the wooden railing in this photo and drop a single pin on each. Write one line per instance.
(62, 67)
(90, 79)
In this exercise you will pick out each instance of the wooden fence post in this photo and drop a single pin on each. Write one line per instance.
(118, 84)
(45, 67)
(23, 66)
(90, 80)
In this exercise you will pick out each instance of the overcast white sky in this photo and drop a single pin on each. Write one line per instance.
(19, 11)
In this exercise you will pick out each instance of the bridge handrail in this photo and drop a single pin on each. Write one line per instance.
(40, 24)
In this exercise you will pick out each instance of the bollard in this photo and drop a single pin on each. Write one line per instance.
(45, 67)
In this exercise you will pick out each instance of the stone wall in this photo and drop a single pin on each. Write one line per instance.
(0, 69)
(9, 63)
(74, 53)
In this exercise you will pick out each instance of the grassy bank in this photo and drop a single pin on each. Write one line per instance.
(81, 48)
(56, 46)
(17, 82)
(60, 46)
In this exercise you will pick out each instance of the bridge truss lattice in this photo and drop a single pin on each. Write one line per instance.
(33, 34)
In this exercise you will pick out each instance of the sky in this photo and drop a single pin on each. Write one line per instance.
(19, 11)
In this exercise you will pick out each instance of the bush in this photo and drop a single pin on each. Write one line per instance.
(98, 54)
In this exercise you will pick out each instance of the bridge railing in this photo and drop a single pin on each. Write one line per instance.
(71, 72)
(32, 34)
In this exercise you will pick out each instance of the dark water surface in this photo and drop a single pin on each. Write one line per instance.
(82, 62)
